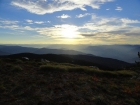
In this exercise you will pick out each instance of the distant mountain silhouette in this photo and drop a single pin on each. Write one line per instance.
(57, 51)
(19, 49)
(87, 60)
(126, 53)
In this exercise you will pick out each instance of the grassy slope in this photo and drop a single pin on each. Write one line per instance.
(38, 83)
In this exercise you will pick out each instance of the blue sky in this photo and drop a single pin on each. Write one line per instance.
(69, 22)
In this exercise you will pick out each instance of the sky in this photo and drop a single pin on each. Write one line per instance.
(70, 22)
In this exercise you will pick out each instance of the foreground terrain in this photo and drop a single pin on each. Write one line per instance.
(31, 82)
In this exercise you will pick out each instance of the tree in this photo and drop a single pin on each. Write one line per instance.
(138, 62)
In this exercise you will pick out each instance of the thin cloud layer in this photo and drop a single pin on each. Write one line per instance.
(82, 15)
(8, 22)
(39, 22)
(98, 28)
(120, 30)
(32, 22)
(107, 9)
(42, 7)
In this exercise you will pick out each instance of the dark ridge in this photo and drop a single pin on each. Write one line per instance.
(3, 53)
(85, 60)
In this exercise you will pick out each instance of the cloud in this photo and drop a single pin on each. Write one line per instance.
(57, 31)
(39, 22)
(8, 22)
(12, 27)
(64, 16)
(119, 9)
(29, 21)
(49, 21)
(82, 15)
(110, 28)
(27, 28)
(42, 7)
(107, 9)
(128, 21)
(99, 29)
(32, 22)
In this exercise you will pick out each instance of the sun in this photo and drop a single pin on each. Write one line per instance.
(69, 33)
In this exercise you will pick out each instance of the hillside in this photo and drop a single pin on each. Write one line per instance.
(85, 60)
(32, 82)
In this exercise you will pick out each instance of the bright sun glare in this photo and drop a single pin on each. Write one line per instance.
(69, 33)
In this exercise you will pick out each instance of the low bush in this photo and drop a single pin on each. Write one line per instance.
(126, 73)
(16, 69)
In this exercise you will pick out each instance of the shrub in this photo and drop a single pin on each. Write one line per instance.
(16, 69)
(138, 62)
(126, 73)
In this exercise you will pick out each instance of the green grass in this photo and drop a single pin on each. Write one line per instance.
(51, 68)
(85, 69)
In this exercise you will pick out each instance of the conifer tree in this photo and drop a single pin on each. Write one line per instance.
(138, 62)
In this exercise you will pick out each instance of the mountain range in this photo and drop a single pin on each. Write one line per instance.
(63, 56)
(127, 53)
(7, 50)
